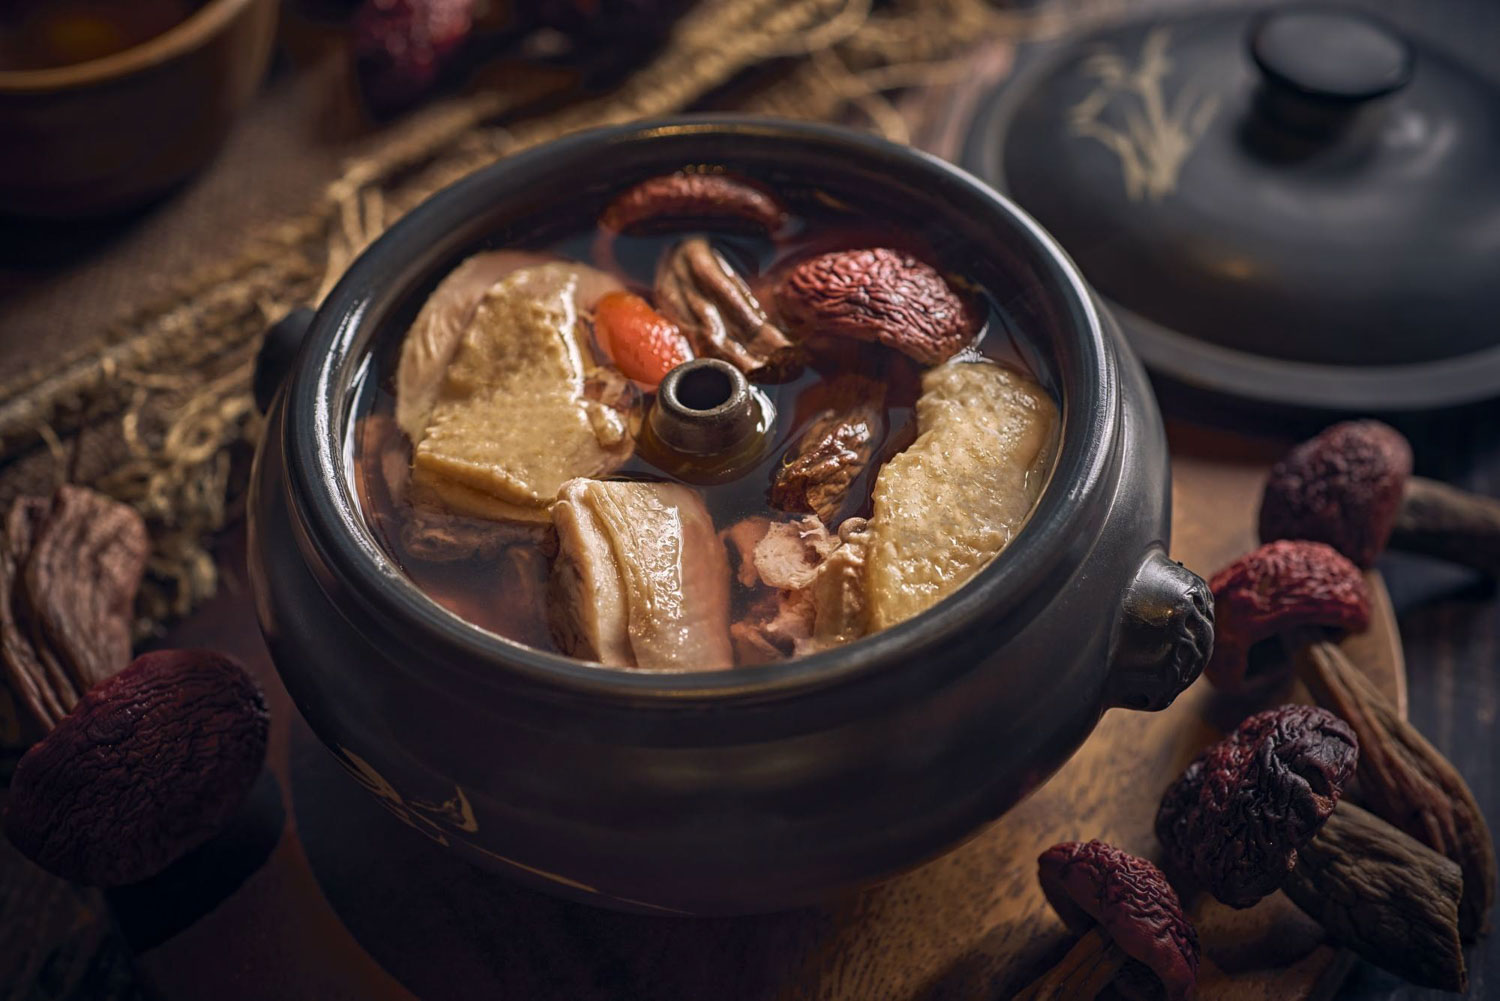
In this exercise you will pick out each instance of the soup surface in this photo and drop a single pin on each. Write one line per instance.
(41, 34)
(866, 440)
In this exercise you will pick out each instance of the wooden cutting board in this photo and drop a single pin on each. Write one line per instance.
(341, 901)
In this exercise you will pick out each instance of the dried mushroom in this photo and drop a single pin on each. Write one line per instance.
(1281, 587)
(879, 295)
(1260, 810)
(688, 196)
(699, 290)
(1126, 912)
(69, 573)
(149, 765)
(1351, 487)
(1288, 589)
(835, 449)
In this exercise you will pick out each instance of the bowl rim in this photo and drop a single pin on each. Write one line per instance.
(199, 27)
(317, 457)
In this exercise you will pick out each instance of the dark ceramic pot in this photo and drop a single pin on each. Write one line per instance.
(763, 787)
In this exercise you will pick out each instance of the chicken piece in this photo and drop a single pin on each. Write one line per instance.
(788, 555)
(838, 591)
(699, 291)
(833, 451)
(641, 579)
(779, 626)
(741, 538)
(947, 505)
(435, 334)
(513, 420)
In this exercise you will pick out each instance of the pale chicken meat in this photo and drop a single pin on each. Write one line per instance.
(512, 419)
(641, 578)
(947, 505)
(435, 334)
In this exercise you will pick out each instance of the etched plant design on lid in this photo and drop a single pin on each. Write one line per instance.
(1151, 134)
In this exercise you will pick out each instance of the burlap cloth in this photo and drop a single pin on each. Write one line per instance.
(153, 405)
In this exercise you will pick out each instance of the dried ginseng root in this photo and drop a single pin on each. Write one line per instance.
(69, 572)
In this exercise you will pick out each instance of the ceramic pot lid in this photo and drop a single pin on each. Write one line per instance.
(1298, 206)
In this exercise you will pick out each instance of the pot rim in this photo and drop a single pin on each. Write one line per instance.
(316, 422)
(193, 32)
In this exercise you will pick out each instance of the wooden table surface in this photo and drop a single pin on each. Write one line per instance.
(58, 942)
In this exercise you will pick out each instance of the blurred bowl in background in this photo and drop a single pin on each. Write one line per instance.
(113, 132)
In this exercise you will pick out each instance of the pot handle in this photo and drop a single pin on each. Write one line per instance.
(1164, 635)
(273, 362)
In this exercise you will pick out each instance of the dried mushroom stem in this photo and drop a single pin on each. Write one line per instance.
(1436, 519)
(1384, 895)
(1406, 780)
(1090, 966)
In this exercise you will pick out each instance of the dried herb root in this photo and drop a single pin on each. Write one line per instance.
(1407, 781)
(1384, 895)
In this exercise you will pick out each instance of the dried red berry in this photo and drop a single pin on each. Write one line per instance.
(878, 295)
(149, 765)
(1281, 586)
(402, 46)
(1238, 815)
(1132, 903)
(1343, 487)
(692, 196)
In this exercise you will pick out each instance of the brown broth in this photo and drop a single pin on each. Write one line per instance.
(504, 595)
(43, 34)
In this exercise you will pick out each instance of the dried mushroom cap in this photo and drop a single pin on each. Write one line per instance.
(149, 765)
(692, 196)
(1089, 883)
(1282, 586)
(1240, 812)
(879, 295)
(1343, 487)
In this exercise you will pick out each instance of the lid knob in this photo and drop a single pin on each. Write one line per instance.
(707, 422)
(1321, 64)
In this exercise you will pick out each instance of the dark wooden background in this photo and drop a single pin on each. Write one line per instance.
(60, 942)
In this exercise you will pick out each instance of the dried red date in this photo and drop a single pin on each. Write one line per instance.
(1342, 487)
(1093, 883)
(149, 765)
(879, 295)
(1237, 816)
(692, 196)
(1280, 587)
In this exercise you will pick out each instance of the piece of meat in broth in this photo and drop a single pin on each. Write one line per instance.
(641, 578)
(785, 555)
(434, 335)
(514, 418)
(948, 504)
